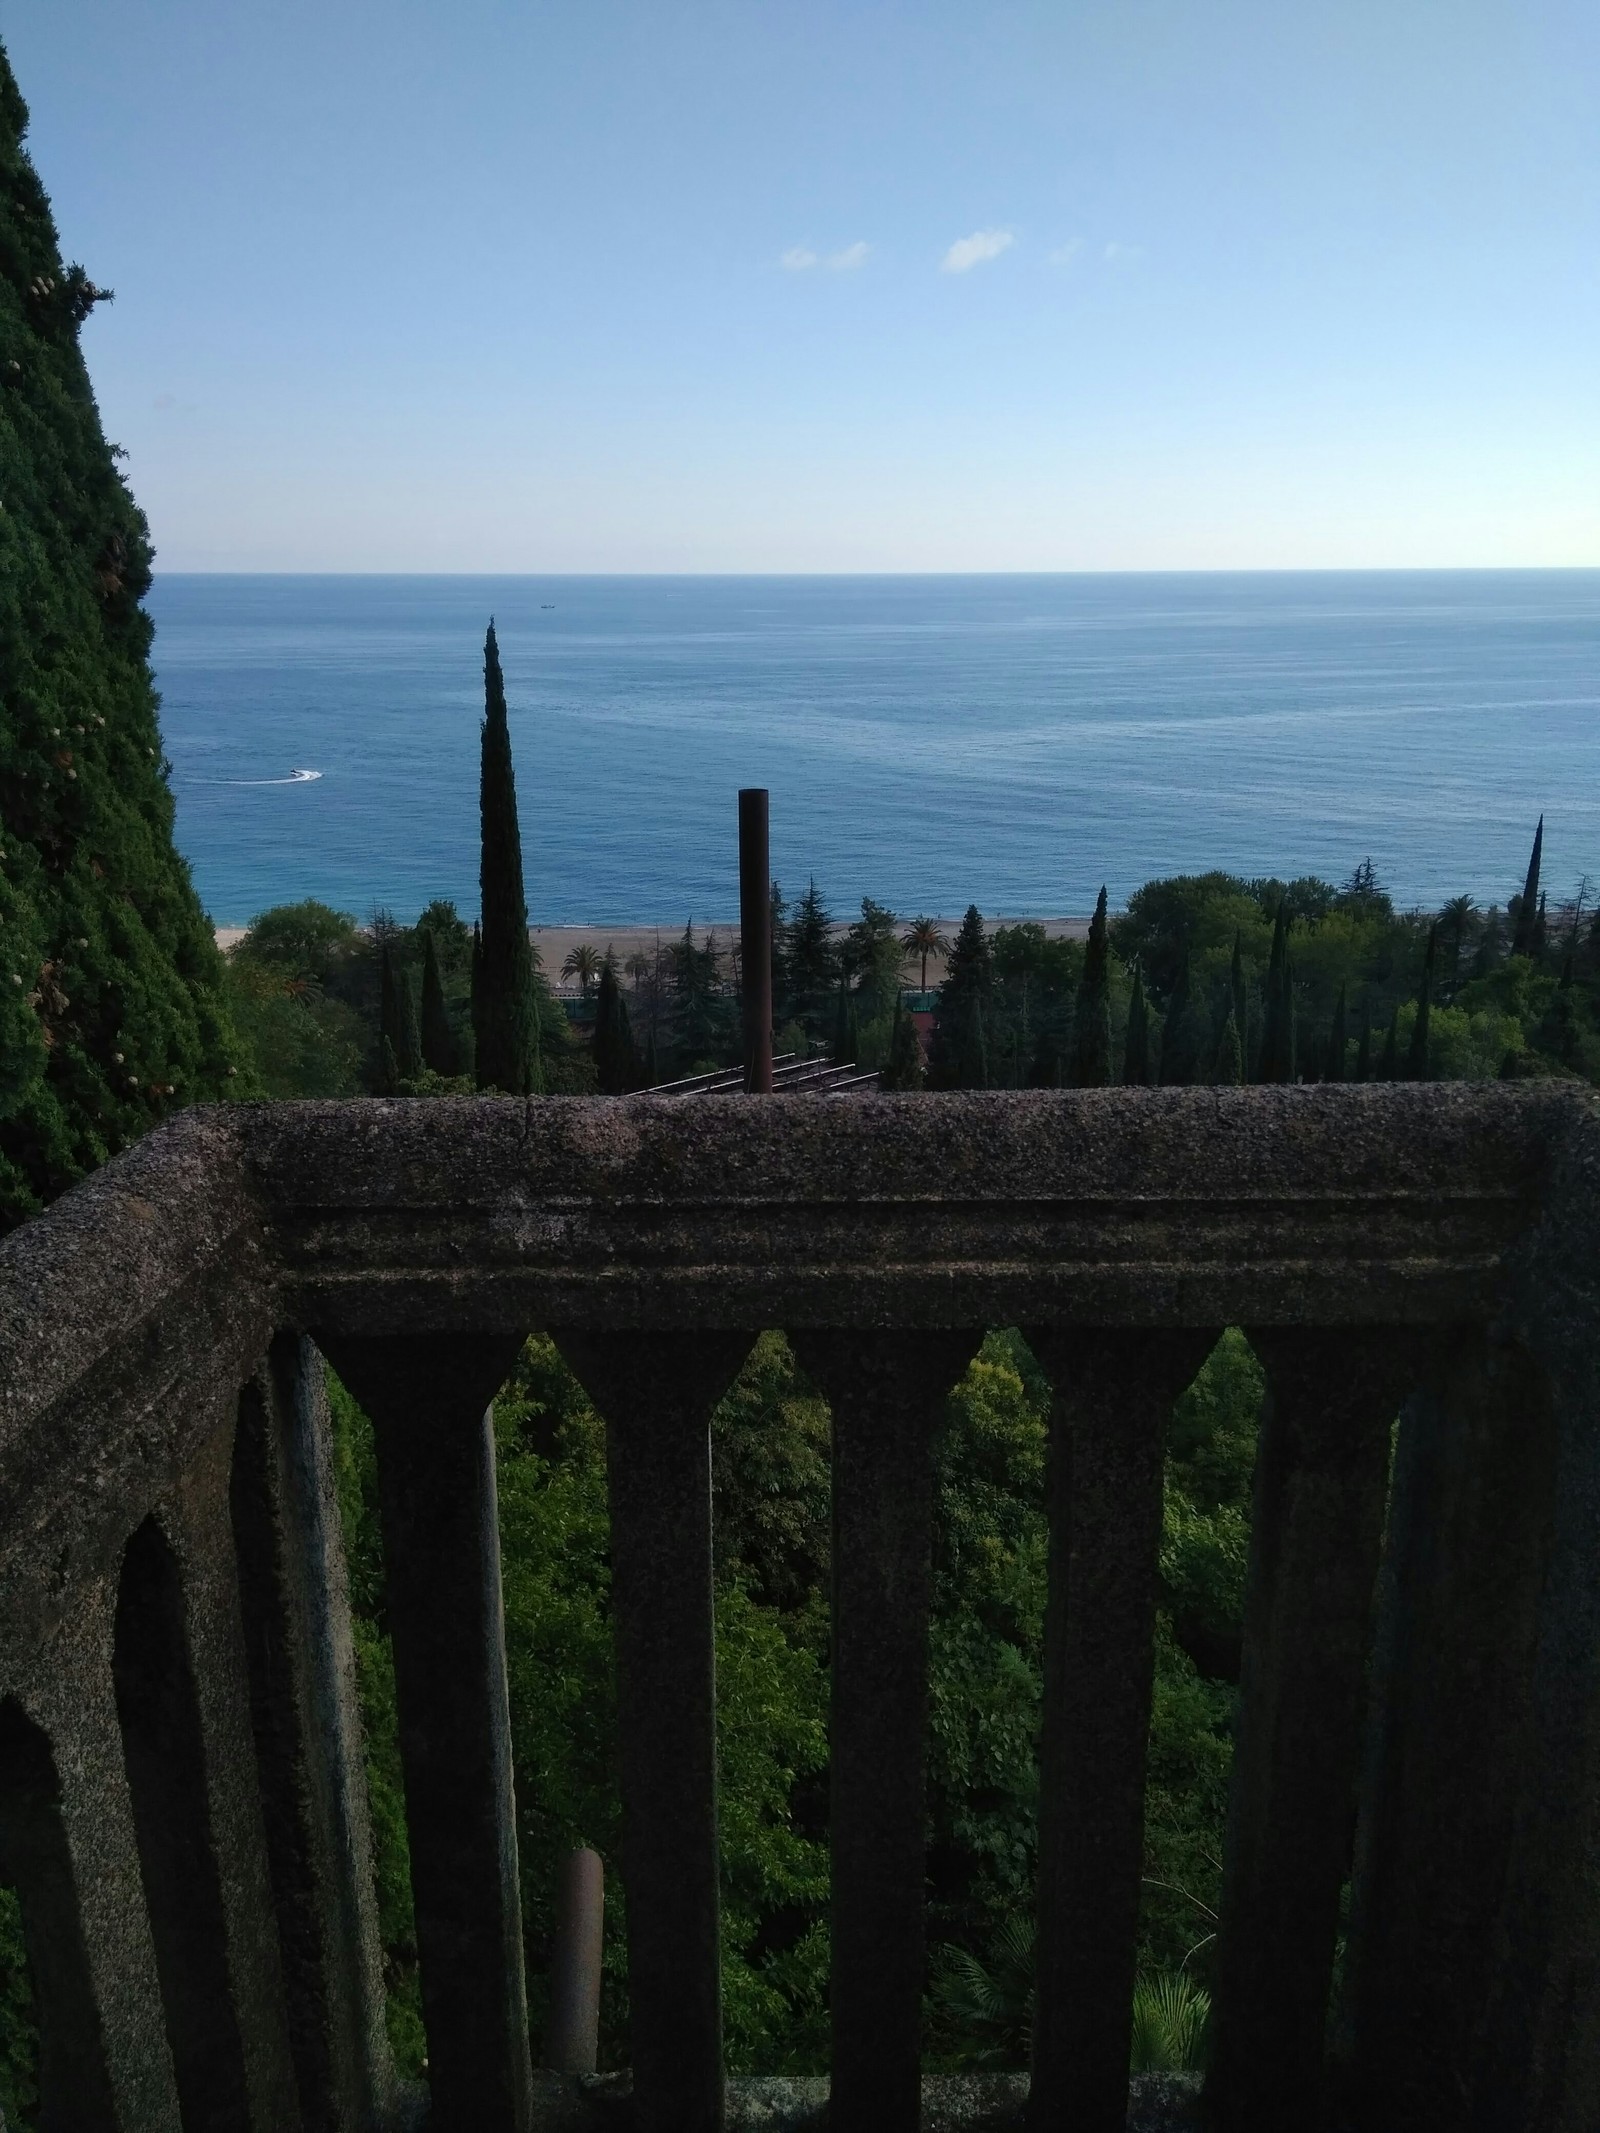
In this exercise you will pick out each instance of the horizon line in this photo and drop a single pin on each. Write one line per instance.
(1199, 570)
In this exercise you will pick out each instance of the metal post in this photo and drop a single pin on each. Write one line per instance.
(755, 939)
(572, 2030)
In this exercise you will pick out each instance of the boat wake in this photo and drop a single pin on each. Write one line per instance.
(295, 777)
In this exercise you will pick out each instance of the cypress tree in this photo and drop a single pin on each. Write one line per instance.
(1091, 1025)
(475, 991)
(903, 1069)
(843, 1035)
(1229, 1071)
(1236, 990)
(391, 1041)
(1539, 930)
(810, 960)
(1136, 1055)
(1364, 1048)
(1558, 1035)
(1276, 1043)
(1177, 1035)
(1390, 1068)
(112, 992)
(1333, 1069)
(780, 953)
(1044, 1070)
(1528, 902)
(1417, 1055)
(506, 1009)
(409, 1049)
(616, 1068)
(649, 1073)
(438, 1040)
(959, 1060)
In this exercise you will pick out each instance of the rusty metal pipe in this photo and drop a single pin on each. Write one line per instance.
(755, 939)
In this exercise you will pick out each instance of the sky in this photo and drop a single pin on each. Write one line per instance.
(848, 285)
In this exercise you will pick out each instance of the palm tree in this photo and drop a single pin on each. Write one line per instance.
(583, 963)
(1455, 918)
(924, 938)
(638, 967)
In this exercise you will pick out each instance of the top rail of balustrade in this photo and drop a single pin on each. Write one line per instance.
(1387, 1204)
(134, 1308)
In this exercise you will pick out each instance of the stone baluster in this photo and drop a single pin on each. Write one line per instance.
(164, 1750)
(887, 1394)
(301, 1659)
(1322, 1470)
(656, 1392)
(226, 1843)
(1541, 2048)
(68, 1845)
(428, 1397)
(1113, 1395)
(1445, 1768)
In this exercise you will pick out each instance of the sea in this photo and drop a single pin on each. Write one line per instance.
(1014, 742)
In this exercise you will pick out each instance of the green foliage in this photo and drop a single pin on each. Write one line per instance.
(308, 942)
(505, 1012)
(436, 1037)
(112, 1004)
(1206, 1507)
(871, 959)
(986, 1643)
(308, 989)
(554, 1532)
(704, 1021)
(300, 1042)
(958, 1058)
(988, 2002)
(1136, 1052)
(1306, 967)
(770, 1462)
(356, 1481)
(902, 1061)
(1091, 1023)
(409, 1050)
(616, 1067)
(810, 965)
(1171, 2024)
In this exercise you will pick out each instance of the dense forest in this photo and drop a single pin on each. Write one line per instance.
(1206, 978)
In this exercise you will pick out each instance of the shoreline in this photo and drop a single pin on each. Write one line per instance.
(626, 935)
(556, 943)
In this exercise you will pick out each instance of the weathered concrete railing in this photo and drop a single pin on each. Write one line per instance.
(181, 1804)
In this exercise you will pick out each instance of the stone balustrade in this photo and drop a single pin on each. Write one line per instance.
(181, 1799)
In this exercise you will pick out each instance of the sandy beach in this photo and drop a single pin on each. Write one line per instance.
(556, 943)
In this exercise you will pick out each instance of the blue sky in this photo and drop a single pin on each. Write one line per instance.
(638, 285)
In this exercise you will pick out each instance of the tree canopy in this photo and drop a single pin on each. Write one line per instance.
(112, 1006)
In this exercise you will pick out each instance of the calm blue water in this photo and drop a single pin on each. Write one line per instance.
(928, 741)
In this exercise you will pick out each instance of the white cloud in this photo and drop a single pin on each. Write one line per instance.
(800, 258)
(1119, 255)
(1065, 254)
(968, 252)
